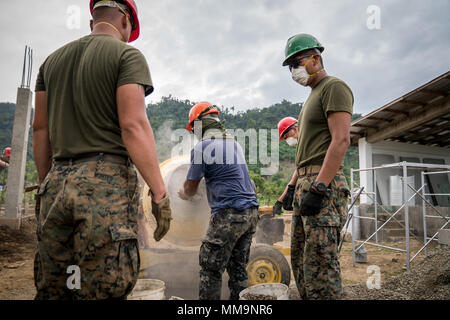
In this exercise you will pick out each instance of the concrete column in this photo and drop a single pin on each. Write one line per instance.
(16, 170)
(365, 161)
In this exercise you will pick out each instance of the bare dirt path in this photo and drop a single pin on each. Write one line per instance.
(17, 249)
(428, 279)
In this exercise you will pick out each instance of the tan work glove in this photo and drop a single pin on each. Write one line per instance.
(163, 215)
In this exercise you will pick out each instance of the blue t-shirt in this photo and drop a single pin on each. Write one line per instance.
(222, 163)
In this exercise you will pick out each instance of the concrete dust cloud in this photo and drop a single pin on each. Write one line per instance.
(171, 142)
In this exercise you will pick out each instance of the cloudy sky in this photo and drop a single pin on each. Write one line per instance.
(230, 52)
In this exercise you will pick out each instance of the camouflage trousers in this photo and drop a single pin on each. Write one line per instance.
(315, 241)
(226, 246)
(87, 232)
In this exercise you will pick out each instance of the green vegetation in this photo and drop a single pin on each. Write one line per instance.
(352, 157)
(170, 114)
(6, 123)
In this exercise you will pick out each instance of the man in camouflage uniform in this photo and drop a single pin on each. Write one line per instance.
(226, 245)
(321, 191)
(89, 126)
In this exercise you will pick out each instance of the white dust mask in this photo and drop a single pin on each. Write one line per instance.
(300, 75)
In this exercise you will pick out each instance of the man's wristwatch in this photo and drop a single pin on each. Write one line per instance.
(321, 188)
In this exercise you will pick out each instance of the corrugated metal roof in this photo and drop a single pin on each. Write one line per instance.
(434, 132)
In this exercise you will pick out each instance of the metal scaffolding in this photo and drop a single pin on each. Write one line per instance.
(420, 192)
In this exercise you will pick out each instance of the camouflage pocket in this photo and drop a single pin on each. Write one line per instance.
(305, 185)
(128, 259)
(132, 185)
(340, 197)
(121, 231)
(211, 254)
(237, 218)
(133, 190)
(37, 209)
(41, 191)
(340, 190)
(42, 187)
(301, 188)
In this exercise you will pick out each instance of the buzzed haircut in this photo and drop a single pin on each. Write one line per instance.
(105, 13)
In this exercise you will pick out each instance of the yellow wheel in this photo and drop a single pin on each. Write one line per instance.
(267, 265)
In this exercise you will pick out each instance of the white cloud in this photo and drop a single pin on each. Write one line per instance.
(230, 52)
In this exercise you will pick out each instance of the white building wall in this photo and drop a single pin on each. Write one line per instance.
(396, 151)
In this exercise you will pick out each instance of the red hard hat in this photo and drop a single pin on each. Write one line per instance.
(284, 125)
(133, 11)
(7, 151)
(198, 111)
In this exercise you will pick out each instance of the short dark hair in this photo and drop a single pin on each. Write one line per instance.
(105, 13)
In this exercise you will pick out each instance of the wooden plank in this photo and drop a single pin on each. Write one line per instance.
(398, 101)
(444, 137)
(379, 119)
(430, 132)
(414, 103)
(432, 112)
(406, 113)
(441, 140)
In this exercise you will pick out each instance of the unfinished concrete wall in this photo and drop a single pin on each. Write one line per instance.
(16, 170)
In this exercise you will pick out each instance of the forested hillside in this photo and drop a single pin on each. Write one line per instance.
(6, 123)
(170, 114)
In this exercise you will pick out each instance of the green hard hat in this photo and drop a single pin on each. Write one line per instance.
(300, 42)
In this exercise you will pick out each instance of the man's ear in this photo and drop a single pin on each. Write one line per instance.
(315, 60)
(124, 21)
(91, 24)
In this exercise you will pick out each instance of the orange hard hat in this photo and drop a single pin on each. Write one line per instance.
(132, 8)
(284, 125)
(198, 111)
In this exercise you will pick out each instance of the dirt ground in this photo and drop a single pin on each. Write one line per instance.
(17, 249)
(428, 279)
